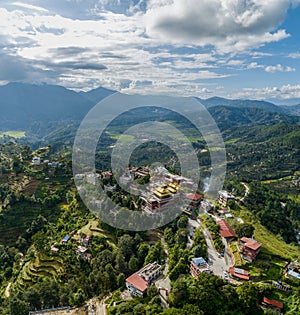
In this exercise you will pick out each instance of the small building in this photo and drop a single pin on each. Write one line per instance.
(54, 250)
(273, 304)
(138, 282)
(65, 239)
(293, 274)
(239, 274)
(199, 265)
(206, 206)
(86, 241)
(194, 199)
(92, 178)
(107, 175)
(226, 230)
(249, 248)
(224, 197)
(36, 161)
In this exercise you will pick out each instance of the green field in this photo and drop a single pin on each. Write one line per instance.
(271, 244)
(13, 133)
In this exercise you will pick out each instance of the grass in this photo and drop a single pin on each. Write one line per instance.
(270, 243)
(13, 133)
(123, 138)
(231, 141)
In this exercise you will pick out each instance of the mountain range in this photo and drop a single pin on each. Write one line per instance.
(44, 109)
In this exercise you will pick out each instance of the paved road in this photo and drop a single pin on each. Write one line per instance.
(217, 264)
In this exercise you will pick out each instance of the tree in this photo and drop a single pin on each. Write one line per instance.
(244, 229)
(126, 246)
(133, 264)
(249, 297)
(182, 222)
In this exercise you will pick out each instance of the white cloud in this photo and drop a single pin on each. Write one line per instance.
(272, 69)
(226, 24)
(125, 44)
(279, 68)
(285, 92)
(29, 6)
(294, 55)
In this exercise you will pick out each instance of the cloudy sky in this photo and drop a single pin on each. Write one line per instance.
(230, 48)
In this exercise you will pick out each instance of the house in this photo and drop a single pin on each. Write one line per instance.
(92, 178)
(65, 239)
(194, 199)
(273, 304)
(36, 161)
(199, 265)
(293, 270)
(224, 197)
(293, 274)
(249, 248)
(86, 241)
(138, 282)
(107, 175)
(206, 206)
(54, 250)
(239, 274)
(225, 230)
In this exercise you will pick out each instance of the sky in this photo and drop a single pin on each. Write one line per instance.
(228, 48)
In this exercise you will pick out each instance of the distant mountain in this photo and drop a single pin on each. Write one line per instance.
(292, 109)
(229, 117)
(284, 101)
(96, 95)
(219, 101)
(23, 104)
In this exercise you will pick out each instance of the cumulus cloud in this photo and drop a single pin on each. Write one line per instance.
(225, 24)
(272, 69)
(285, 92)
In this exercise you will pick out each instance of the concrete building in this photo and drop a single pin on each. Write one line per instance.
(138, 282)
(249, 248)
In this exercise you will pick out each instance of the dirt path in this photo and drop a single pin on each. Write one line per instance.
(7, 290)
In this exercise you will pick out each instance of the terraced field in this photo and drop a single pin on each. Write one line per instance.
(42, 266)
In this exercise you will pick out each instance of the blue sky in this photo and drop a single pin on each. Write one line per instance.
(229, 48)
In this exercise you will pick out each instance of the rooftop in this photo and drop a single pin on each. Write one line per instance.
(199, 261)
(225, 229)
(138, 282)
(239, 273)
(250, 243)
(273, 303)
(194, 197)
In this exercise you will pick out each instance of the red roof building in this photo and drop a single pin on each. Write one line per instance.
(138, 283)
(249, 248)
(225, 229)
(194, 199)
(273, 304)
(239, 273)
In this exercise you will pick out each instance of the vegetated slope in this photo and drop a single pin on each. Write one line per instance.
(23, 104)
(219, 101)
(227, 117)
(263, 152)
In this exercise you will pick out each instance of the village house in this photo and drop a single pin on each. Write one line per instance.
(249, 248)
(226, 231)
(54, 250)
(138, 282)
(199, 265)
(65, 239)
(194, 199)
(36, 161)
(239, 274)
(224, 197)
(107, 175)
(272, 304)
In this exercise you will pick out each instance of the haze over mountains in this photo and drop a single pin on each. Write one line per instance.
(25, 105)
